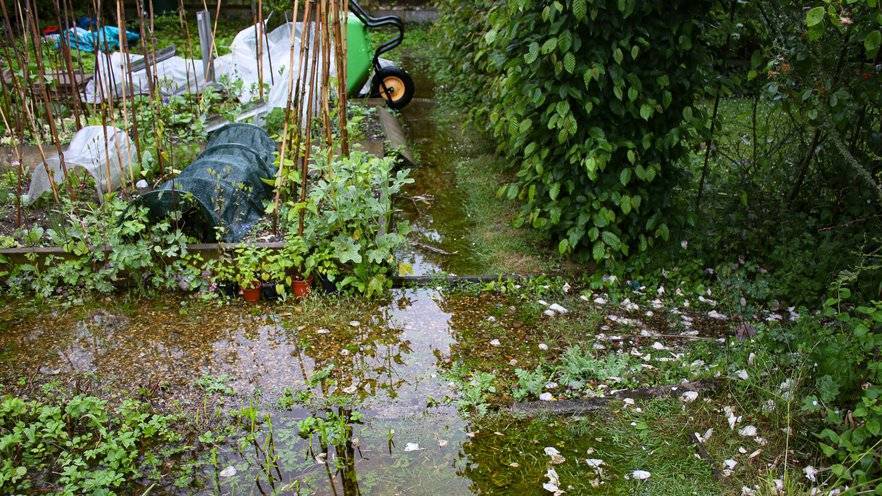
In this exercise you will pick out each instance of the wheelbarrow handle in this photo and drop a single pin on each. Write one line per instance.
(376, 22)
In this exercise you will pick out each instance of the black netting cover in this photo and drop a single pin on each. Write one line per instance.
(224, 186)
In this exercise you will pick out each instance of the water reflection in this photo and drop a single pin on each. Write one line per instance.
(332, 397)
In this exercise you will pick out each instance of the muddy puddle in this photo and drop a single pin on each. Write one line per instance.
(433, 205)
(389, 359)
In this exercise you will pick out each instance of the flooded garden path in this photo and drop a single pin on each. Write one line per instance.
(400, 397)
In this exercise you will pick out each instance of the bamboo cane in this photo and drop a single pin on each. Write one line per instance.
(41, 70)
(68, 13)
(20, 169)
(258, 40)
(342, 97)
(130, 91)
(325, 95)
(304, 167)
(24, 102)
(105, 97)
(280, 174)
(64, 46)
(26, 65)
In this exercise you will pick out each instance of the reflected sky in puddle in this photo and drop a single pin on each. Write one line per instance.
(390, 357)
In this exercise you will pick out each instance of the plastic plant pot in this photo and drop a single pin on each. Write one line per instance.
(301, 287)
(251, 294)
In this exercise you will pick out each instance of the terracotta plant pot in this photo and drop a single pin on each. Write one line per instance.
(301, 287)
(251, 294)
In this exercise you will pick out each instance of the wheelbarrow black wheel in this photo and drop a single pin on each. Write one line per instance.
(393, 85)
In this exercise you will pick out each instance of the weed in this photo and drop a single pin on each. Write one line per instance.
(216, 384)
(80, 444)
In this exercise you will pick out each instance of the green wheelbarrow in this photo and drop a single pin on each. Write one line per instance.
(391, 83)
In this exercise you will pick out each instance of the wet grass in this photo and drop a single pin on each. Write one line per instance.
(210, 361)
(501, 247)
(507, 454)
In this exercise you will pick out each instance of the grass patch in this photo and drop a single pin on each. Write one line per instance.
(502, 247)
(508, 455)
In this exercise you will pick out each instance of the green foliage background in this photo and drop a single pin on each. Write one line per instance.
(588, 100)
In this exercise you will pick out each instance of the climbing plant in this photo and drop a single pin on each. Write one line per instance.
(587, 98)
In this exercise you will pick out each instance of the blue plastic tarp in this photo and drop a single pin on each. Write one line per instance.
(106, 39)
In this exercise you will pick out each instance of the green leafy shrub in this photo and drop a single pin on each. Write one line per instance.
(79, 446)
(587, 98)
(105, 245)
(349, 231)
(854, 433)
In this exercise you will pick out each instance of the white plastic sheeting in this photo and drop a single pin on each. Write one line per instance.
(109, 161)
(178, 75)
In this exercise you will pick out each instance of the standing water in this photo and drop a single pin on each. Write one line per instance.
(374, 377)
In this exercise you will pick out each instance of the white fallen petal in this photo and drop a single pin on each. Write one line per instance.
(717, 315)
(411, 447)
(747, 431)
(546, 397)
(810, 473)
(742, 374)
(550, 313)
(228, 472)
(707, 435)
(730, 416)
(554, 454)
(557, 308)
(594, 462)
(689, 396)
(640, 475)
(729, 464)
(495, 342)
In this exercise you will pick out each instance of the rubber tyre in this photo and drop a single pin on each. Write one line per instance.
(398, 81)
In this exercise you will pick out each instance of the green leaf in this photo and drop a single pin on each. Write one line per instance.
(814, 17)
(549, 46)
(873, 426)
(570, 62)
(872, 42)
(612, 240)
(625, 204)
(646, 111)
(618, 56)
(580, 9)
(599, 251)
(554, 191)
(532, 54)
(564, 246)
(625, 176)
(512, 191)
